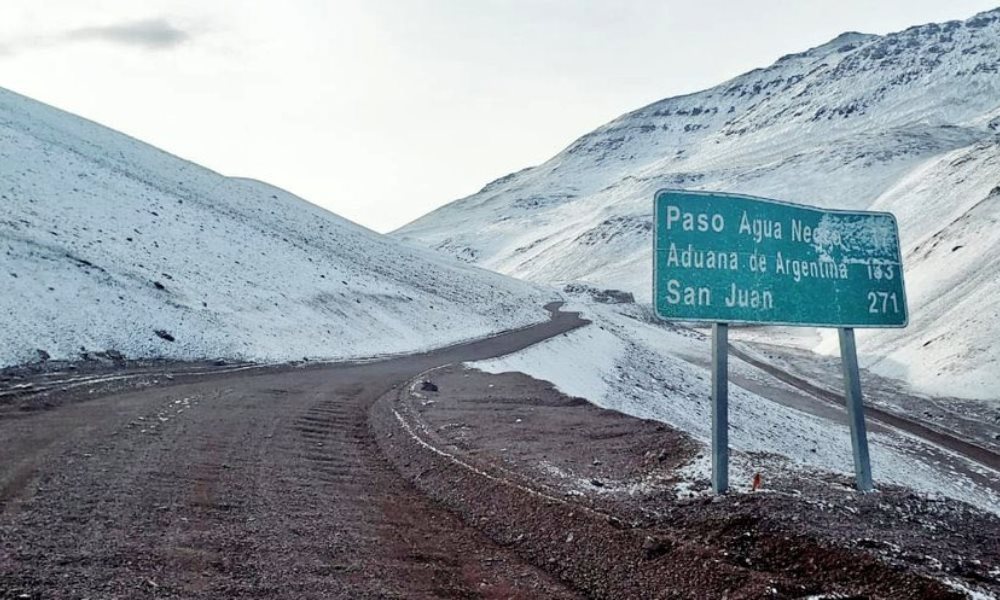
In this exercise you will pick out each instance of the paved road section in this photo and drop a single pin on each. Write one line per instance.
(262, 484)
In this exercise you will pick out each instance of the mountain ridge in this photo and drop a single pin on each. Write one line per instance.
(839, 125)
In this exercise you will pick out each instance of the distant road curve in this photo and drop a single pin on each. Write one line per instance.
(968, 449)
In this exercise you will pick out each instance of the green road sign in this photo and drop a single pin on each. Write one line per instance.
(730, 258)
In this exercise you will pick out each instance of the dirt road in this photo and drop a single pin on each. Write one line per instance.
(205, 481)
(973, 459)
(970, 450)
(262, 484)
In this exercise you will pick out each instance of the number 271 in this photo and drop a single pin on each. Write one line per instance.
(882, 302)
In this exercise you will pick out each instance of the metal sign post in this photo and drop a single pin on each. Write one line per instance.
(730, 258)
(855, 410)
(720, 408)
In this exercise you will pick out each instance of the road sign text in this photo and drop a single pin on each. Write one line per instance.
(739, 259)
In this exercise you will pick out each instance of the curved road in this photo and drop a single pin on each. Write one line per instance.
(970, 450)
(262, 484)
(251, 483)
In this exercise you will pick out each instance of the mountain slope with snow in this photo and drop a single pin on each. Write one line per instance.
(949, 219)
(660, 372)
(861, 122)
(110, 244)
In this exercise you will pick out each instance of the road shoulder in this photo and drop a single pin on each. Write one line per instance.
(595, 497)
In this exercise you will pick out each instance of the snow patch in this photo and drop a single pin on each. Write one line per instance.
(651, 371)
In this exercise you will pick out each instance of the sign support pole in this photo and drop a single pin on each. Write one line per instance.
(720, 408)
(855, 409)
(856, 280)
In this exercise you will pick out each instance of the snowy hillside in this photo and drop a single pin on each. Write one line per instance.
(110, 244)
(654, 371)
(949, 219)
(861, 122)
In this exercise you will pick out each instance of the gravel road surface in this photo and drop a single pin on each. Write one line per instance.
(251, 484)
(348, 481)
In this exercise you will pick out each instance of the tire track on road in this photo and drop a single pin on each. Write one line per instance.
(270, 485)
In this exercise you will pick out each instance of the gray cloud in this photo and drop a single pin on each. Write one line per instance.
(153, 34)
(150, 34)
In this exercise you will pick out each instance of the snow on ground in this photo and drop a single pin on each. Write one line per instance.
(906, 122)
(949, 218)
(624, 362)
(105, 241)
(970, 593)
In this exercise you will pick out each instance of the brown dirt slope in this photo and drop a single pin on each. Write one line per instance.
(589, 495)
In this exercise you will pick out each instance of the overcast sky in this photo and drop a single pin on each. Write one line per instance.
(383, 110)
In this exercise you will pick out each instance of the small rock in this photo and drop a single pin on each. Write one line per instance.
(162, 333)
(653, 547)
(428, 386)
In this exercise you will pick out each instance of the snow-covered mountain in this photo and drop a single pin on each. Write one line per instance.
(907, 122)
(109, 244)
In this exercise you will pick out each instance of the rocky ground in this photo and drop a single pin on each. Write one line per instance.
(612, 505)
